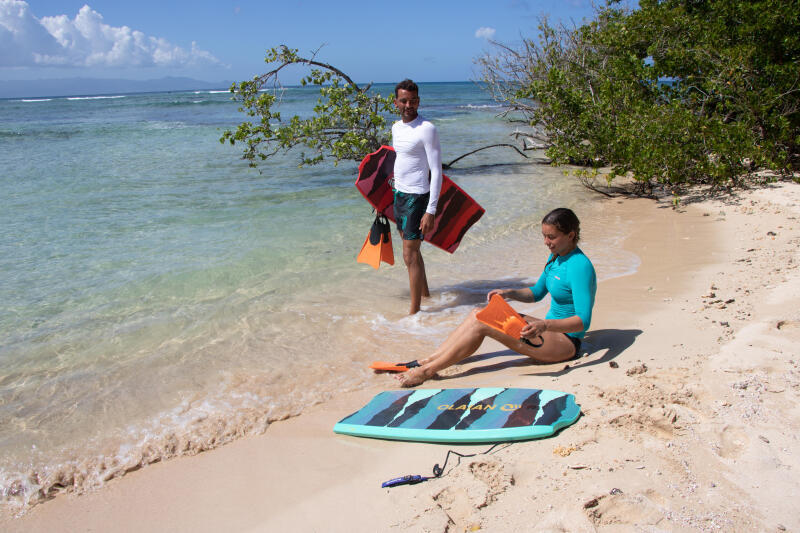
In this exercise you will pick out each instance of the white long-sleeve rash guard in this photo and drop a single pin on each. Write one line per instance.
(417, 146)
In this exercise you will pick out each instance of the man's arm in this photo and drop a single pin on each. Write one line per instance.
(434, 153)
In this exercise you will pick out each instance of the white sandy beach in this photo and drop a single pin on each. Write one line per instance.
(689, 393)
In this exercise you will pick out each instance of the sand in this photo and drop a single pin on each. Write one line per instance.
(689, 392)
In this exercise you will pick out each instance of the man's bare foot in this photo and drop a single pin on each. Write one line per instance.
(413, 377)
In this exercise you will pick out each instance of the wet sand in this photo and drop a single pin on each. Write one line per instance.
(689, 392)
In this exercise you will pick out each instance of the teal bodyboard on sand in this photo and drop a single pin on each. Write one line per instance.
(487, 414)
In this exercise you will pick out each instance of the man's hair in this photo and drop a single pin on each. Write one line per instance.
(406, 85)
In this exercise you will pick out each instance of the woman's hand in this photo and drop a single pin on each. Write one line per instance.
(499, 292)
(534, 328)
(520, 295)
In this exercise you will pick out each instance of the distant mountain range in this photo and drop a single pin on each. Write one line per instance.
(97, 86)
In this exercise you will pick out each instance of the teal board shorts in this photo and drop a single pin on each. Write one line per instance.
(408, 211)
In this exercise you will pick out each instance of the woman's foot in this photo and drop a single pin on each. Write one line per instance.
(413, 377)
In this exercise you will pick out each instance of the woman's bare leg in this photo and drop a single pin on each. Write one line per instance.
(468, 337)
(450, 342)
(462, 343)
(552, 347)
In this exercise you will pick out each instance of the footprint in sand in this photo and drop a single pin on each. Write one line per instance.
(493, 475)
(473, 490)
(457, 504)
(623, 509)
(732, 441)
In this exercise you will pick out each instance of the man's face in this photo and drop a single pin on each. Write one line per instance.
(407, 103)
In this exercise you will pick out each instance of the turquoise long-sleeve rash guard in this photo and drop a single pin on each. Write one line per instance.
(572, 283)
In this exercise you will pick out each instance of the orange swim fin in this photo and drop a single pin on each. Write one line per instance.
(502, 317)
(378, 244)
(370, 254)
(387, 252)
(393, 367)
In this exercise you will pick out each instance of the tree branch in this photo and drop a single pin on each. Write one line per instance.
(451, 163)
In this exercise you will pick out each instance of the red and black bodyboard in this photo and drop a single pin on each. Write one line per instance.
(456, 211)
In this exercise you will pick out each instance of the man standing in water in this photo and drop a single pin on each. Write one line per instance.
(417, 182)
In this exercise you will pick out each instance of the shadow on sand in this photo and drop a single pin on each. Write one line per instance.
(474, 292)
(608, 342)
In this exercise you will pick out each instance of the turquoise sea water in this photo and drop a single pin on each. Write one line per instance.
(158, 297)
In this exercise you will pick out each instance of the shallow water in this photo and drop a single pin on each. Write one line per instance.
(159, 297)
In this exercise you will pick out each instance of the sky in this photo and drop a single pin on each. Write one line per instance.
(426, 40)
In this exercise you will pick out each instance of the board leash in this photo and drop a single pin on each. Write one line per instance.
(438, 471)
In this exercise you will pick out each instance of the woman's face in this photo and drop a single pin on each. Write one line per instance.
(558, 243)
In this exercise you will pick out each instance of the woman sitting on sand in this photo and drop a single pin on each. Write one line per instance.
(570, 280)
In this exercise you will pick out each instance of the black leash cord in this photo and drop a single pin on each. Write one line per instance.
(438, 471)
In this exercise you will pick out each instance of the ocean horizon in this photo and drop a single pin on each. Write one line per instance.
(87, 87)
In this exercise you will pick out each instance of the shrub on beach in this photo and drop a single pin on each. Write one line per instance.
(347, 123)
(674, 92)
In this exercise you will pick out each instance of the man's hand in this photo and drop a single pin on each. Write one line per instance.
(426, 224)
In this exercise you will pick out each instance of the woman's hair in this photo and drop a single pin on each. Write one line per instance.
(564, 221)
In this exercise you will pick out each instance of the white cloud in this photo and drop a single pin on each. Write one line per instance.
(485, 32)
(85, 41)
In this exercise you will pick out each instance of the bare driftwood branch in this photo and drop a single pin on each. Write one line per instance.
(635, 189)
(590, 184)
(273, 74)
(451, 163)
